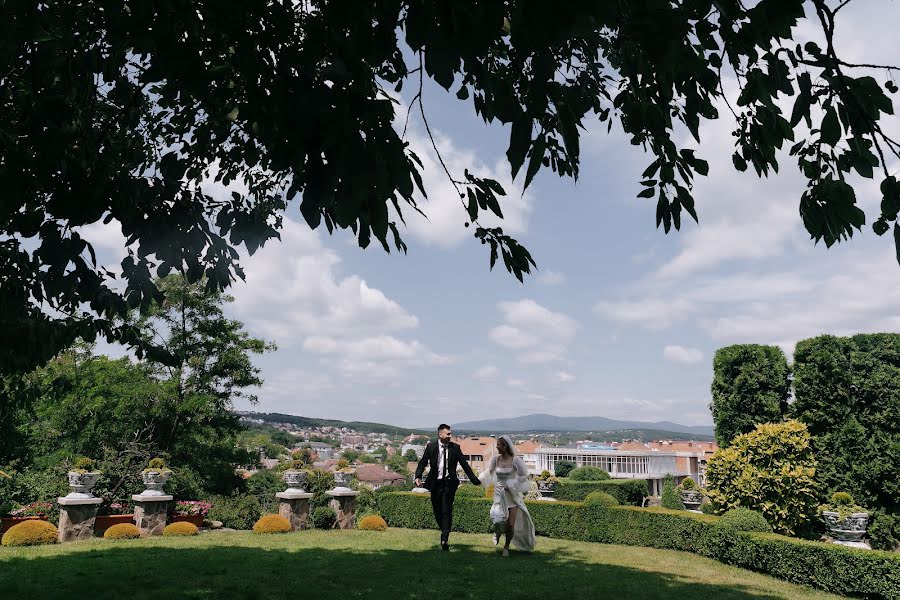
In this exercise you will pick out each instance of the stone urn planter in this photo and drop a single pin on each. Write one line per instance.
(851, 528)
(342, 481)
(692, 499)
(296, 481)
(82, 483)
(154, 480)
(546, 488)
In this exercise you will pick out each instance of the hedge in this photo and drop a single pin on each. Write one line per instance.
(833, 568)
(626, 491)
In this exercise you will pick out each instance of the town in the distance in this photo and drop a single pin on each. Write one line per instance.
(384, 455)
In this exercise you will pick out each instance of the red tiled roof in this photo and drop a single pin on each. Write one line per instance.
(371, 473)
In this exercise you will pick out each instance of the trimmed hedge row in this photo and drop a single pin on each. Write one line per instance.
(833, 568)
(626, 491)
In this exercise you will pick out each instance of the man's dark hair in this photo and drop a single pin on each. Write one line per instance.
(442, 427)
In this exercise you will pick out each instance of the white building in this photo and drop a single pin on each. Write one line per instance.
(652, 465)
(419, 449)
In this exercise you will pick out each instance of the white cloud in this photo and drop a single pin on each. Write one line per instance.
(563, 376)
(680, 354)
(295, 295)
(653, 312)
(550, 278)
(486, 372)
(516, 383)
(446, 215)
(540, 333)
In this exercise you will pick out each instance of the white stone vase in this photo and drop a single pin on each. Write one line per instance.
(154, 480)
(342, 481)
(692, 499)
(296, 480)
(849, 529)
(82, 484)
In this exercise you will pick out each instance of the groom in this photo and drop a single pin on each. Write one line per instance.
(443, 456)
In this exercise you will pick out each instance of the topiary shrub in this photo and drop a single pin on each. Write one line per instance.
(562, 468)
(30, 533)
(771, 470)
(122, 531)
(670, 497)
(181, 528)
(272, 524)
(744, 519)
(687, 484)
(372, 523)
(600, 499)
(323, 517)
(588, 474)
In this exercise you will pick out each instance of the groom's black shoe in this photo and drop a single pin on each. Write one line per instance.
(445, 546)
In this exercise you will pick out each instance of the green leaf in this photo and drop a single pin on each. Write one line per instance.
(647, 193)
(519, 142)
(897, 240)
(739, 163)
(831, 127)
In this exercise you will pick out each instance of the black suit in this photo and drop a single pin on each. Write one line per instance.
(443, 491)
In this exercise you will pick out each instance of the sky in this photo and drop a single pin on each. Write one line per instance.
(620, 320)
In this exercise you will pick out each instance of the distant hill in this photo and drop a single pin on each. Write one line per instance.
(360, 426)
(540, 422)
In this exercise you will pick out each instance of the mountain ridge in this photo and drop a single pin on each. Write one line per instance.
(547, 422)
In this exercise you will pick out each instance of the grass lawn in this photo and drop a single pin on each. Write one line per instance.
(395, 564)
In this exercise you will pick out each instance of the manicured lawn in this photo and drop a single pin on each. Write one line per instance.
(358, 564)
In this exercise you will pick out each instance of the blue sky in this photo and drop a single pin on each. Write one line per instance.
(620, 321)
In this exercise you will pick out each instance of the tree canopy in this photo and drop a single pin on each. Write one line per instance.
(129, 112)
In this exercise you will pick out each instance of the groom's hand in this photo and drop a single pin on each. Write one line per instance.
(418, 483)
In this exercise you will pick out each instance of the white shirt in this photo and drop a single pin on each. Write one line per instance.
(442, 452)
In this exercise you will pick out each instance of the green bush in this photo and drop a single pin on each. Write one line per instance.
(600, 498)
(588, 474)
(365, 502)
(884, 531)
(771, 470)
(671, 499)
(562, 468)
(265, 483)
(236, 512)
(467, 490)
(707, 508)
(847, 391)
(688, 484)
(744, 519)
(323, 517)
(750, 386)
(626, 491)
(833, 568)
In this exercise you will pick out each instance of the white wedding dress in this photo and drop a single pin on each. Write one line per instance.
(510, 486)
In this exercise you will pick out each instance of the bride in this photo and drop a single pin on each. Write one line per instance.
(509, 514)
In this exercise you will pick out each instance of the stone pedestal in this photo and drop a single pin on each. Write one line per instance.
(344, 505)
(76, 518)
(150, 513)
(421, 490)
(294, 506)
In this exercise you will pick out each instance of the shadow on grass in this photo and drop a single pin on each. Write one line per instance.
(161, 573)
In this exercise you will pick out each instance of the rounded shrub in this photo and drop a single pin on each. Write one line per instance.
(841, 498)
(600, 499)
(588, 474)
(372, 523)
(272, 524)
(122, 531)
(744, 519)
(180, 528)
(323, 517)
(30, 533)
(688, 484)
